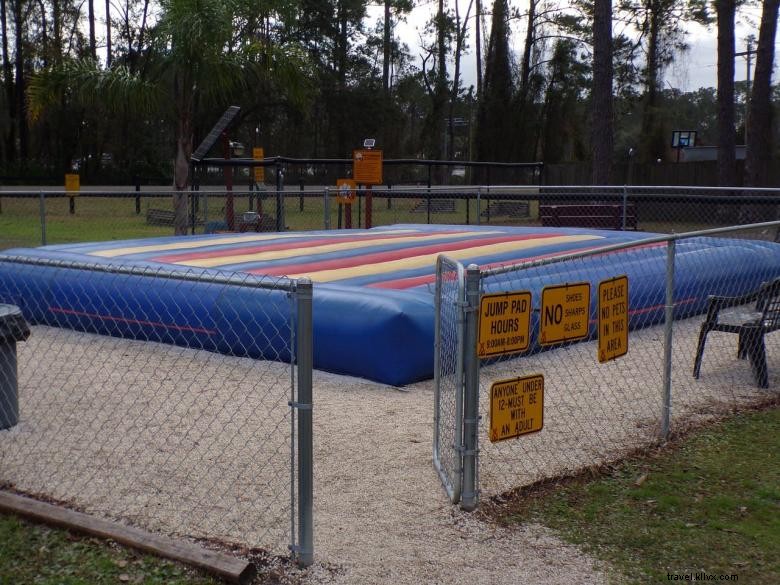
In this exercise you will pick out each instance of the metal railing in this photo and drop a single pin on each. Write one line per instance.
(600, 410)
(139, 399)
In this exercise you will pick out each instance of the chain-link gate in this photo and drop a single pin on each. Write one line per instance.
(448, 373)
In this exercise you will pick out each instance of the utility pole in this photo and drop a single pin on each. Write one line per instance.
(748, 54)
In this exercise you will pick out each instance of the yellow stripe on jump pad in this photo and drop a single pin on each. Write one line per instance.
(245, 239)
(430, 259)
(319, 250)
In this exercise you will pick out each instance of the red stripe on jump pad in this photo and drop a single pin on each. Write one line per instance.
(412, 281)
(116, 319)
(302, 243)
(390, 255)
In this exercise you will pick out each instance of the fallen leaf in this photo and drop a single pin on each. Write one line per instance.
(640, 480)
(121, 564)
(124, 577)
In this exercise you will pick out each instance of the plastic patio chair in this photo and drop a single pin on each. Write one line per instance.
(749, 321)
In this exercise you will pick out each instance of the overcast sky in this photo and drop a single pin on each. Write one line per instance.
(697, 68)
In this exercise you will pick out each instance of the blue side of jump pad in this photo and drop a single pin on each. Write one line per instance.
(379, 334)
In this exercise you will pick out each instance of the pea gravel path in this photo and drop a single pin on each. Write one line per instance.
(196, 444)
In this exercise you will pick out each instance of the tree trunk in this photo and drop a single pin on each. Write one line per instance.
(57, 30)
(525, 69)
(44, 35)
(652, 145)
(440, 87)
(727, 171)
(8, 80)
(181, 172)
(108, 34)
(386, 51)
(21, 86)
(478, 41)
(759, 143)
(91, 17)
(601, 121)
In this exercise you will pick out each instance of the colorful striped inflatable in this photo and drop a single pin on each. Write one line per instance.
(373, 294)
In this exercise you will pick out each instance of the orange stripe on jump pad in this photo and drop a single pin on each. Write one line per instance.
(387, 255)
(317, 250)
(205, 254)
(189, 244)
(428, 260)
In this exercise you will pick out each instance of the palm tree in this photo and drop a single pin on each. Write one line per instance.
(192, 61)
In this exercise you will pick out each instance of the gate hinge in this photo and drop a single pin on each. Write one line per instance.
(299, 405)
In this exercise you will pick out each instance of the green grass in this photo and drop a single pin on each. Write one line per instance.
(711, 505)
(104, 219)
(34, 554)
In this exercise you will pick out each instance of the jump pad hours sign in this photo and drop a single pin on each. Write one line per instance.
(504, 323)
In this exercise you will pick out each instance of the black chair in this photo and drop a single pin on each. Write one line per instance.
(749, 321)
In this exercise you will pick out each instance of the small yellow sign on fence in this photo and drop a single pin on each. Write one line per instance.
(516, 407)
(613, 318)
(259, 172)
(504, 323)
(72, 184)
(565, 313)
(346, 190)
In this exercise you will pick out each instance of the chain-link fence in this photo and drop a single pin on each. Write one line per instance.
(35, 218)
(139, 399)
(708, 298)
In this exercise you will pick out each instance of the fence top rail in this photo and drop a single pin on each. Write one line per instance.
(206, 276)
(626, 245)
(274, 160)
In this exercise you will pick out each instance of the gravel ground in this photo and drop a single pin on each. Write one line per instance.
(197, 444)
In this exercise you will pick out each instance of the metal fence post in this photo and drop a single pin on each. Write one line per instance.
(666, 411)
(470, 493)
(137, 195)
(304, 353)
(280, 227)
(326, 206)
(479, 205)
(42, 207)
(625, 205)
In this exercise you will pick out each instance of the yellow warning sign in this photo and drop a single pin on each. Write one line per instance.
(72, 184)
(367, 167)
(259, 154)
(504, 323)
(613, 318)
(565, 313)
(516, 407)
(346, 190)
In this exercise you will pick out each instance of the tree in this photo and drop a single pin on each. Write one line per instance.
(562, 131)
(602, 132)
(659, 24)
(493, 142)
(91, 19)
(8, 83)
(192, 61)
(727, 172)
(759, 139)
